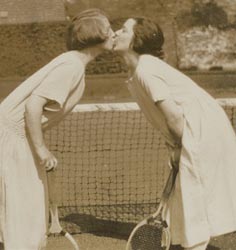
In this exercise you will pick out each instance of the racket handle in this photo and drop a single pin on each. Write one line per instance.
(170, 183)
(55, 224)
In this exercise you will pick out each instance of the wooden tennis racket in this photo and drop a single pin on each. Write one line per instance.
(153, 233)
(55, 227)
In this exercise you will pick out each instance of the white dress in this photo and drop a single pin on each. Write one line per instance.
(203, 203)
(23, 183)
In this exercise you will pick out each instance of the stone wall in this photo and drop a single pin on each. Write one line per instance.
(27, 46)
(33, 32)
(206, 36)
(25, 11)
(28, 11)
(207, 49)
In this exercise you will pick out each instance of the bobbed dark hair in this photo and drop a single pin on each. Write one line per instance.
(86, 30)
(148, 37)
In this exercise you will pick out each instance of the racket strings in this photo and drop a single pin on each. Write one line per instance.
(147, 237)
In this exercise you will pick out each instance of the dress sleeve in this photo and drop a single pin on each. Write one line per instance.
(57, 85)
(156, 87)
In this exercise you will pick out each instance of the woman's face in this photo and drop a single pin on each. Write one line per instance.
(108, 44)
(124, 36)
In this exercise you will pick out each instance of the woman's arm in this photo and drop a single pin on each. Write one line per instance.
(175, 122)
(173, 116)
(33, 116)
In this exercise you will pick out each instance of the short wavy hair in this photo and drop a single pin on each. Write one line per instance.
(148, 37)
(86, 30)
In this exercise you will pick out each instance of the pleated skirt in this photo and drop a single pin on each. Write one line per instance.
(23, 191)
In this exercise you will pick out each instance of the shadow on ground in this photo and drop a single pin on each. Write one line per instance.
(77, 223)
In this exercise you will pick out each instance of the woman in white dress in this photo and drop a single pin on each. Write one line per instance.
(38, 103)
(203, 202)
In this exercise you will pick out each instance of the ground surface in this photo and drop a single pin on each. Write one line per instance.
(95, 242)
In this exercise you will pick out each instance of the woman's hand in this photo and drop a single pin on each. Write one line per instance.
(175, 157)
(46, 158)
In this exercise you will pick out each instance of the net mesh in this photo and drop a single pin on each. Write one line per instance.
(112, 163)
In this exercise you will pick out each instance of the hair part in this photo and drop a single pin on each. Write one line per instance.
(86, 30)
(148, 37)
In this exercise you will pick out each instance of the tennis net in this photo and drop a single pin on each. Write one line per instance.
(112, 163)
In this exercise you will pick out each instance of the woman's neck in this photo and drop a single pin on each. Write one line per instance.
(87, 55)
(131, 58)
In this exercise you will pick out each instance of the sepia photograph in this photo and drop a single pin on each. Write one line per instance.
(117, 125)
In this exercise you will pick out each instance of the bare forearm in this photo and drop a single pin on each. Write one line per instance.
(175, 125)
(33, 115)
(174, 118)
(33, 124)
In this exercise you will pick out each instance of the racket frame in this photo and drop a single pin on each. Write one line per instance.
(55, 227)
(165, 196)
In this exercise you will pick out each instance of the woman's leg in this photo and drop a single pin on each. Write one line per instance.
(201, 246)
